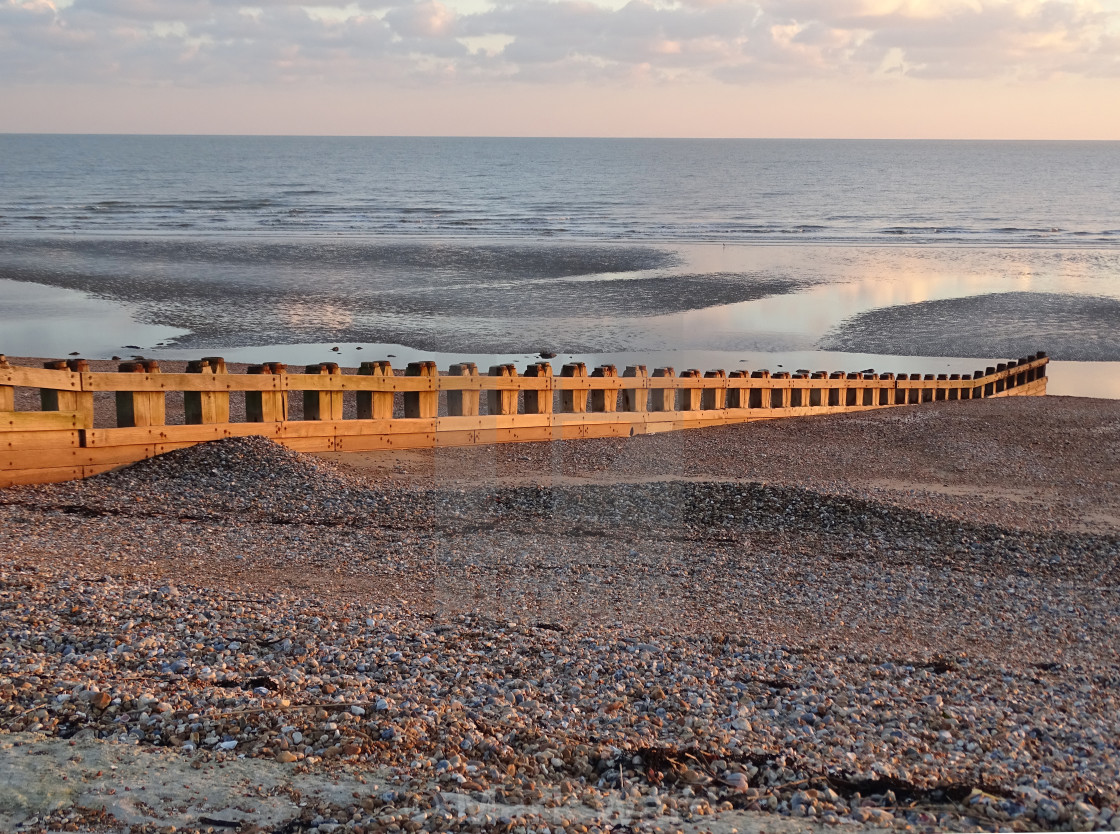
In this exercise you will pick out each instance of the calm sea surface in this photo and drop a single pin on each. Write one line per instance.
(765, 252)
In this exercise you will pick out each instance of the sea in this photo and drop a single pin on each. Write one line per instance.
(926, 256)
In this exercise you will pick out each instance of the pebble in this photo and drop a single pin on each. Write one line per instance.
(668, 648)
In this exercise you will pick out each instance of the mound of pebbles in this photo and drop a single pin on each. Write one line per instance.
(587, 657)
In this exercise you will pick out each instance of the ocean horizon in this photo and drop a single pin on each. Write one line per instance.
(766, 251)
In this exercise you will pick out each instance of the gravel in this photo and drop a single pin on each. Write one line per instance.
(588, 652)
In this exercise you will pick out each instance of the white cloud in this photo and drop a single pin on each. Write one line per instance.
(193, 42)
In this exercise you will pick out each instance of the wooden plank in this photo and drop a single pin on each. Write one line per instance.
(90, 471)
(308, 444)
(23, 421)
(486, 422)
(69, 457)
(177, 434)
(332, 428)
(375, 442)
(16, 441)
(16, 477)
(116, 381)
(356, 382)
(24, 377)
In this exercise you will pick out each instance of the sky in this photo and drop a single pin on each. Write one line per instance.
(982, 69)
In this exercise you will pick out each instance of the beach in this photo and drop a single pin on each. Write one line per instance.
(898, 620)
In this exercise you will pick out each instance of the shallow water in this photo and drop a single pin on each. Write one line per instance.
(501, 248)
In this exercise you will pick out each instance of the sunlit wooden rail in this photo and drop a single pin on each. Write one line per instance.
(378, 408)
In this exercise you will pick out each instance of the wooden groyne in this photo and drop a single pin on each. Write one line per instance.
(379, 408)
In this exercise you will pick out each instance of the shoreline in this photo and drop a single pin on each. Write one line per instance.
(747, 618)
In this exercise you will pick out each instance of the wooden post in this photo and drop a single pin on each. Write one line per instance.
(781, 397)
(989, 387)
(760, 395)
(323, 405)
(201, 407)
(662, 399)
(886, 395)
(421, 404)
(636, 399)
(574, 402)
(51, 399)
(502, 402)
(462, 403)
(855, 392)
(1040, 372)
(966, 387)
(539, 402)
(137, 409)
(738, 397)
(267, 406)
(688, 399)
(714, 399)
(941, 393)
(954, 392)
(928, 392)
(605, 399)
(1013, 378)
(7, 392)
(378, 405)
(837, 393)
(818, 396)
(798, 397)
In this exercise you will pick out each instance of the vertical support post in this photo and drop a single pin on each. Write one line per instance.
(818, 396)
(51, 399)
(837, 392)
(855, 392)
(760, 394)
(421, 404)
(688, 399)
(738, 397)
(323, 405)
(637, 398)
(662, 399)
(502, 402)
(799, 396)
(137, 409)
(200, 407)
(714, 399)
(915, 395)
(1013, 378)
(7, 392)
(1041, 371)
(870, 395)
(941, 393)
(378, 405)
(783, 396)
(573, 401)
(539, 402)
(886, 393)
(966, 387)
(1001, 384)
(928, 391)
(989, 387)
(462, 403)
(605, 400)
(954, 392)
(268, 406)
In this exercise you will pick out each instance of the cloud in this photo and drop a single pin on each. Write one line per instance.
(199, 42)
